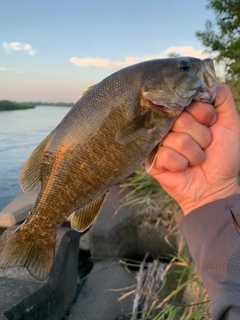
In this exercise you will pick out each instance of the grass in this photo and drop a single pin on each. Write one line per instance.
(194, 302)
(6, 105)
(151, 199)
(185, 296)
(237, 104)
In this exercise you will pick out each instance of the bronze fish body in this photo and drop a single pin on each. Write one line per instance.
(105, 137)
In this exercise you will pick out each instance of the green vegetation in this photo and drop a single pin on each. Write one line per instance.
(147, 193)
(183, 295)
(187, 300)
(222, 37)
(55, 104)
(8, 105)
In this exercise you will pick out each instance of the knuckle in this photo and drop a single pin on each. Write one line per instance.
(184, 141)
(182, 164)
(167, 155)
(174, 161)
(183, 121)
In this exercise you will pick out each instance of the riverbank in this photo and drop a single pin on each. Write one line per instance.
(6, 105)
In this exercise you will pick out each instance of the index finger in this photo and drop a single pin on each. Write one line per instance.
(203, 113)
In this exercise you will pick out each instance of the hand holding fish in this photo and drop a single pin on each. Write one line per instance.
(200, 158)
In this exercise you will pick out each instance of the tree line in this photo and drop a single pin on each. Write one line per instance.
(222, 37)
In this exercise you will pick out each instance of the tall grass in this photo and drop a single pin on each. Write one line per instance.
(146, 193)
(187, 298)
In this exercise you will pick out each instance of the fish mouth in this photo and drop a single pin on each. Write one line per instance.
(168, 109)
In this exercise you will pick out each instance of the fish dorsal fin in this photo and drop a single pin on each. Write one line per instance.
(89, 90)
(133, 130)
(84, 217)
(151, 158)
(85, 93)
(30, 176)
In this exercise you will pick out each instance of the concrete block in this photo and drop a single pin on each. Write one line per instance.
(96, 300)
(114, 234)
(18, 210)
(22, 297)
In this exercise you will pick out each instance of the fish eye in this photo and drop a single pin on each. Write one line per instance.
(184, 65)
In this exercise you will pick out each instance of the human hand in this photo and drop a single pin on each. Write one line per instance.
(199, 159)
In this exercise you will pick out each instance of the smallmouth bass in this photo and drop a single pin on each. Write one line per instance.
(116, 126)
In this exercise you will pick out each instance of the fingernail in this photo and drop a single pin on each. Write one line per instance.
(213, 120)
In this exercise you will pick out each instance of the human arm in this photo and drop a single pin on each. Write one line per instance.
(198, 166)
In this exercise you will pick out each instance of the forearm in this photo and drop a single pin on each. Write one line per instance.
(214, 243)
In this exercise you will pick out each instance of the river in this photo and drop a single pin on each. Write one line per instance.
(20, 132)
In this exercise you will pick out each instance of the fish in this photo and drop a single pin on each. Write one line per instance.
(116, 126)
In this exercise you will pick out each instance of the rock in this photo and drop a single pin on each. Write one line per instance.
(97, 301)
(151, 239)
(18, 210)
(114, 234)
(127, 234)
(22, 297)
(85, 241)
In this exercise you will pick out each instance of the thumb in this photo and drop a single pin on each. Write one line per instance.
(225, 106)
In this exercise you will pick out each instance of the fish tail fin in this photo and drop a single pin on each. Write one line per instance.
(34, 253)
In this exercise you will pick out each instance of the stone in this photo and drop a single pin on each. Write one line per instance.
(151, 239)
(97, 300)
(113, 234)
(22, 297)
(18, 210)
(85, 241)
(126, 233)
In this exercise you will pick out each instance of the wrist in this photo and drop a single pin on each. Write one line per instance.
(189, 205)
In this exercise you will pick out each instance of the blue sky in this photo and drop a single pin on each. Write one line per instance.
(53, 50)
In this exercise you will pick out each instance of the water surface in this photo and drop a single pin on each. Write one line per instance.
(20, 132)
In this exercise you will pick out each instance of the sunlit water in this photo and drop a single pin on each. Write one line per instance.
(20, 132)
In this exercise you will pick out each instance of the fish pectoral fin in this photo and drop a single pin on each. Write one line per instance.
(23, 249)
(84, 217)
(30, 176)
(133, 129)
(151, 158)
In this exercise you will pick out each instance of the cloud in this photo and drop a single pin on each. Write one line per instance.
(17, 46)
(101, 63)
(5, 69)
(108, 64)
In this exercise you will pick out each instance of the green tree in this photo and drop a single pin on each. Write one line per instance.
(223, 36)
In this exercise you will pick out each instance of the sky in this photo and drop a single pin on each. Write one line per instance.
(54, 50)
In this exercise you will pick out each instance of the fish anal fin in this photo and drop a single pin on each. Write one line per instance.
(84, 217)
(133, 129)
(151, 158)
(30, 176)
(23, 249)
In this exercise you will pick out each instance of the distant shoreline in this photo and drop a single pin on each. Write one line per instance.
(6, 105)
(54, 104)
